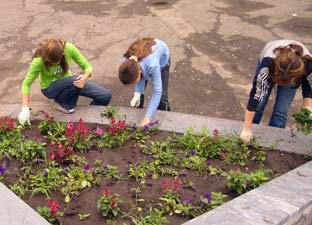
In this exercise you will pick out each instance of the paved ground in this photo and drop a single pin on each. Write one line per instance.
(214, 44)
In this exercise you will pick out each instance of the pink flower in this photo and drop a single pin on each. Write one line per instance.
(99, 131)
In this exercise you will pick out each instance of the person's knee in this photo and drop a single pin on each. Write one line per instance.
(278, 119)
(104, 99)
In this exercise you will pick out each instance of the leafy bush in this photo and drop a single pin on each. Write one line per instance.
(303, 118)
(108, 204)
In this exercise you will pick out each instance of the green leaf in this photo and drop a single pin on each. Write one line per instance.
(67, 199)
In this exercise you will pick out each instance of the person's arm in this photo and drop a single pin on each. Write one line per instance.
(246, 134)
(140, 86)
(34, 70)
(156, 93)
(307, 103)
(249, 115)
(83, 63)
(258, 91)
(25, 100)
(306, 87)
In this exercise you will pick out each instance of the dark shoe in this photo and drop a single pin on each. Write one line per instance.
(141, 101)
(163, 106)
(60, 108)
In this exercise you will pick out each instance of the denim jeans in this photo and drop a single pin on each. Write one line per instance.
(66, 93)
(284, 97)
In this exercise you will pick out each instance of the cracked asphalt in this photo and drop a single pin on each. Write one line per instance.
(214, 44)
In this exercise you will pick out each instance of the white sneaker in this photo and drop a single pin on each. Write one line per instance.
(60, 108)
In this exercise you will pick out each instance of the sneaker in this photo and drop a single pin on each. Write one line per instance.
(60, 108)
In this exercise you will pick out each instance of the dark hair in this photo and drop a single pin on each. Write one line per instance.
(289, 65)
(52, 51)
(129, 70)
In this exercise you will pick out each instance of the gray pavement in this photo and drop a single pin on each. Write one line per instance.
(214, 44)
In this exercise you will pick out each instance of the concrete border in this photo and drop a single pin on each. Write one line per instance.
(14, 211)
(284, 200)
(281, 139)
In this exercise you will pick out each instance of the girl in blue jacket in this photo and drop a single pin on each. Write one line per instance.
(147, 59)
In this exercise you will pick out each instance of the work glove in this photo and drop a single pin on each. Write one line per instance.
(246, 136)
(24, 115)
(135, 102)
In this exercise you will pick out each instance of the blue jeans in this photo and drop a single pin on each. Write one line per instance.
(66, 93)
(284, 97)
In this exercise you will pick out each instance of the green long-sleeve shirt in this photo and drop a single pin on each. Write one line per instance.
(47, 75)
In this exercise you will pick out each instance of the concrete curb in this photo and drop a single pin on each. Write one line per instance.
(284, 200)
(281, 139)
(14, 211)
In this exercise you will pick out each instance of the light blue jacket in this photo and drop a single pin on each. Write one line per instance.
(151, 66)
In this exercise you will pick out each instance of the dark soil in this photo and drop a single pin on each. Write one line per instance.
(278, 162)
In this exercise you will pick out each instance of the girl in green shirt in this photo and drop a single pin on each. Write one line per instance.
(51, 63)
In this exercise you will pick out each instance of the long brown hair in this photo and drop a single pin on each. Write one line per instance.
(129, 70)
(52, 51)
(140, 48)
(289, 65)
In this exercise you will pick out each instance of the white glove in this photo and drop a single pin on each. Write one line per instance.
(246, 136)
(135, 102)
(24, 115)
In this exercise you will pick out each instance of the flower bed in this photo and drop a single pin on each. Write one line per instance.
(79, 173)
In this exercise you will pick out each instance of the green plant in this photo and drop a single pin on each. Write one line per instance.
(259, 157)
(19, 190)
(9, 136)
(171, 202)
(54, 129)
(140, 171)
(7, 128)
(259, 177)
(237, 181)
(236, 153)
(110, 112)
(116, 135)
(46, 180)
(303, 118)
(217, 199)
(78, 137)
(78, 178)
(141, 134)
(153, 217)
(83, 216)
(108, 204)
(52, 214)
(111, 172)
(30, 150)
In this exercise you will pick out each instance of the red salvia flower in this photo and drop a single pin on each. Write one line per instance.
(54, 207)
(176, 185)
(106, 192)
(164, 186)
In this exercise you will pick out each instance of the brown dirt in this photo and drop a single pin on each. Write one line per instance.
(278, 162)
